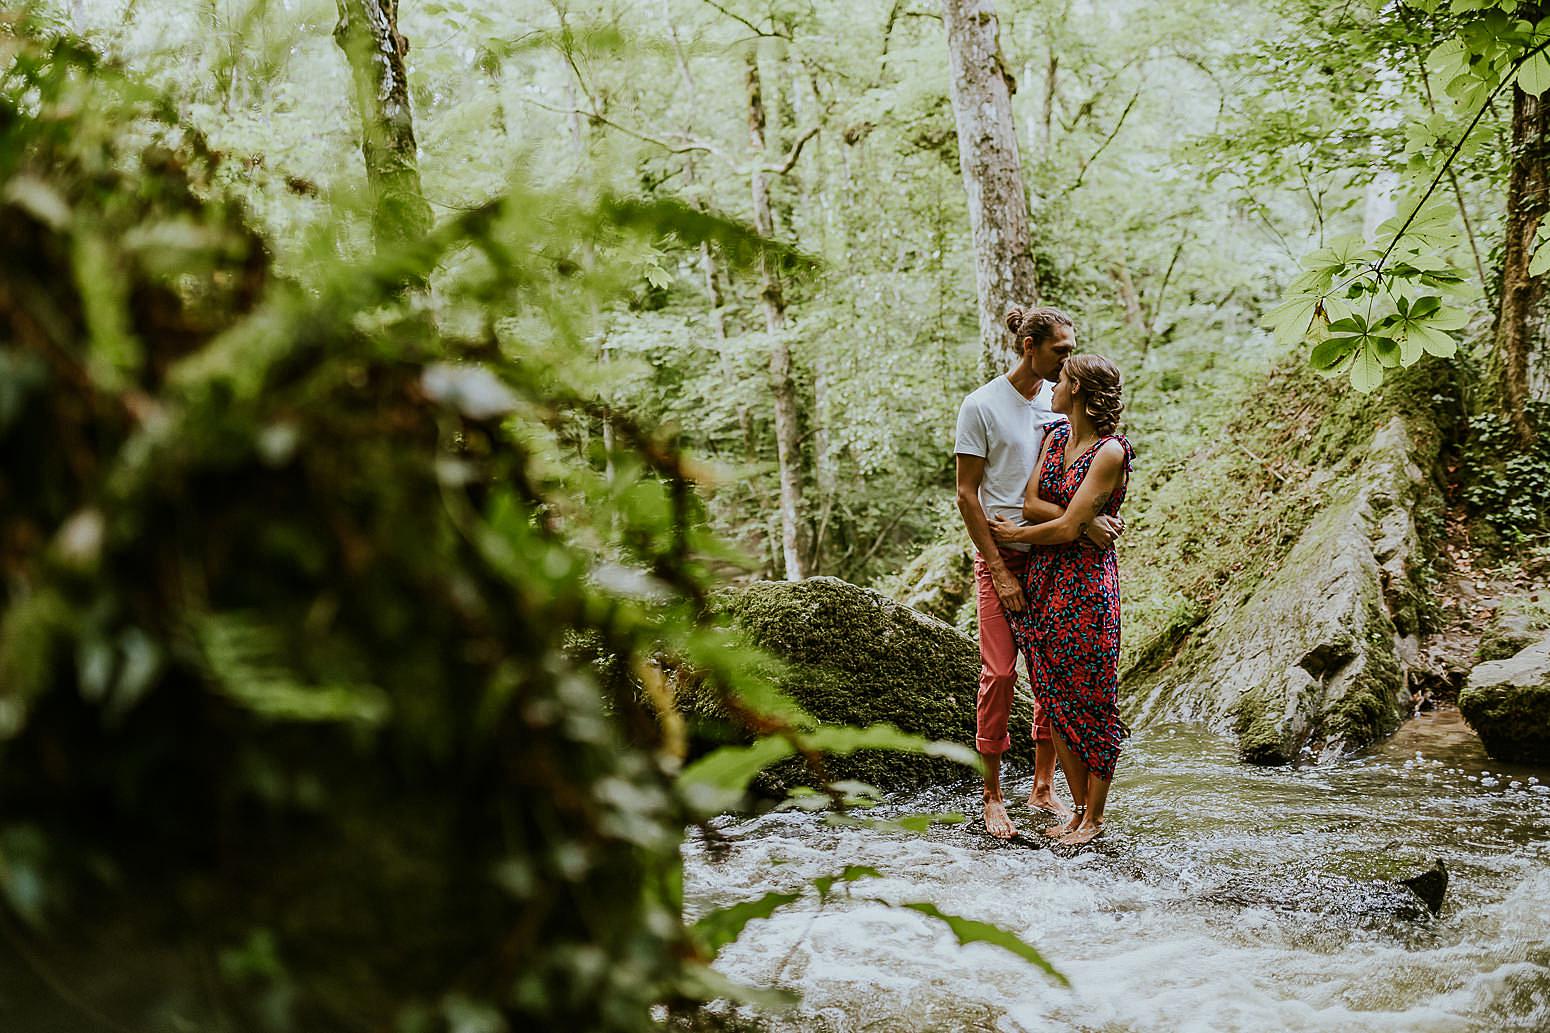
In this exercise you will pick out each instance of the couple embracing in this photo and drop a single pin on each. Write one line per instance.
(1041, 474)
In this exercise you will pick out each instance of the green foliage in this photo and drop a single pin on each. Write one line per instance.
(1371, 310)
(721, 777)
(1506, 484)
(1371, 306)
(298, 564)
(723, 925)
(720, 927)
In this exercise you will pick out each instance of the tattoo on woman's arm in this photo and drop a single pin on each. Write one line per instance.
(1098, 504)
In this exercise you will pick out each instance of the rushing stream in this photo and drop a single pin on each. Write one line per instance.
(1223, 898)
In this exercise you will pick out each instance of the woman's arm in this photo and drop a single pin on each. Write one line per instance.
(1035, 509)
(1103, 476)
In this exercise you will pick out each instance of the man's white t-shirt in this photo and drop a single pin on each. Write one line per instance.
(1005, 429)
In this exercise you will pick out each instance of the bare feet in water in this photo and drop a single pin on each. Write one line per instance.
(1083, 833)
(996, 821)
(1041, 799)
(1067, 827)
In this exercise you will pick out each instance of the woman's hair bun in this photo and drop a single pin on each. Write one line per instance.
(1014, 319)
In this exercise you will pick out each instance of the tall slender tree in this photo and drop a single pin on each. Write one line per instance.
(1522, 353)
(367, 32)
(992, 171)
(788, 435)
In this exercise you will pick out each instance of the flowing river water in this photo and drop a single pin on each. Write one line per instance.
(1222, 898)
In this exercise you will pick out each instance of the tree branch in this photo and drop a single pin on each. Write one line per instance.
(1458, 193)
(1086, 107)
(766, 33)
(1507, 79)
(793, 154)
(688, 146)
(1151, 317)
(1082, 175)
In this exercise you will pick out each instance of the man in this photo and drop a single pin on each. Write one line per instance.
(1000, 433)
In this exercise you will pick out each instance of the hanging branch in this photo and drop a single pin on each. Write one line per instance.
(1458, 193)
(765, 33)
(1376, 268)
(1082, 175)
(689, 146)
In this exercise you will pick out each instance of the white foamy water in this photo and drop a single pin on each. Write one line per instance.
(1225, 898)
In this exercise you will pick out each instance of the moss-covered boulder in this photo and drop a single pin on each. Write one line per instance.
(856, 657)
(938, 582)
(1318, 650)
(1507, 703)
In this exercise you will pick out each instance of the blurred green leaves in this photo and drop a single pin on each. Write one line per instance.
(721, 777)
(305, 560)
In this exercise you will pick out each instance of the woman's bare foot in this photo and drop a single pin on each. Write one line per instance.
(1070, 825)
(1084, 833)
(1041, 799)
(996, 821)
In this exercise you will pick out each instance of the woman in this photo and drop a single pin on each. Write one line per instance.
(1069, 633)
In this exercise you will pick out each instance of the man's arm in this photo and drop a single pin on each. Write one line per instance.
(970, 471)
(1103, 476)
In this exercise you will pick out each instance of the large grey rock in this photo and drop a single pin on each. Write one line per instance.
(1507, 703)
(1321, 647)
(856, 657)
(1507, 633)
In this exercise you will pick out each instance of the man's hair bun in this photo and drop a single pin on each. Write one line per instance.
(1040, 322)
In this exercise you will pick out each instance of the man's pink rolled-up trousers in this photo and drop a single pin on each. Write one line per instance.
(998, 662)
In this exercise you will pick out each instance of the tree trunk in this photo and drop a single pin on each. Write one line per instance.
(718, 324)
(367, 32)
(1522, 353)
(579, 145)
(992, 175)
(1130, 300)
(788, 444)
(825, 459)
(708, 263)
(1051, 82)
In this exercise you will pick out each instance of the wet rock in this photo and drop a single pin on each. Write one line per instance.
(1330, 896)
(1430, 885)
(857, 657)
(1507, 703)
(1507, 634)
(1338, 896)
(1320, 650)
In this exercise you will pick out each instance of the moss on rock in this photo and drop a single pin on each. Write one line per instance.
(1513, 628)
(938, 582)
(1298, 630)
(856, 657)
(1507, 703)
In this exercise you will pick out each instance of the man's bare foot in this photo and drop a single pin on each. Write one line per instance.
(1083, 833)
(1041, 799)
(996, 821)
(1065, 828)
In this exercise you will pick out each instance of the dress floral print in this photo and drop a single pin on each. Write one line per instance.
(1069, 633)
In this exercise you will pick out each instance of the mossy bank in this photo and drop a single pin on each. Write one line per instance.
(1275, 576)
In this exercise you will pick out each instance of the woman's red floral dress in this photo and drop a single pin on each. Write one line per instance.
(1069, 634)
